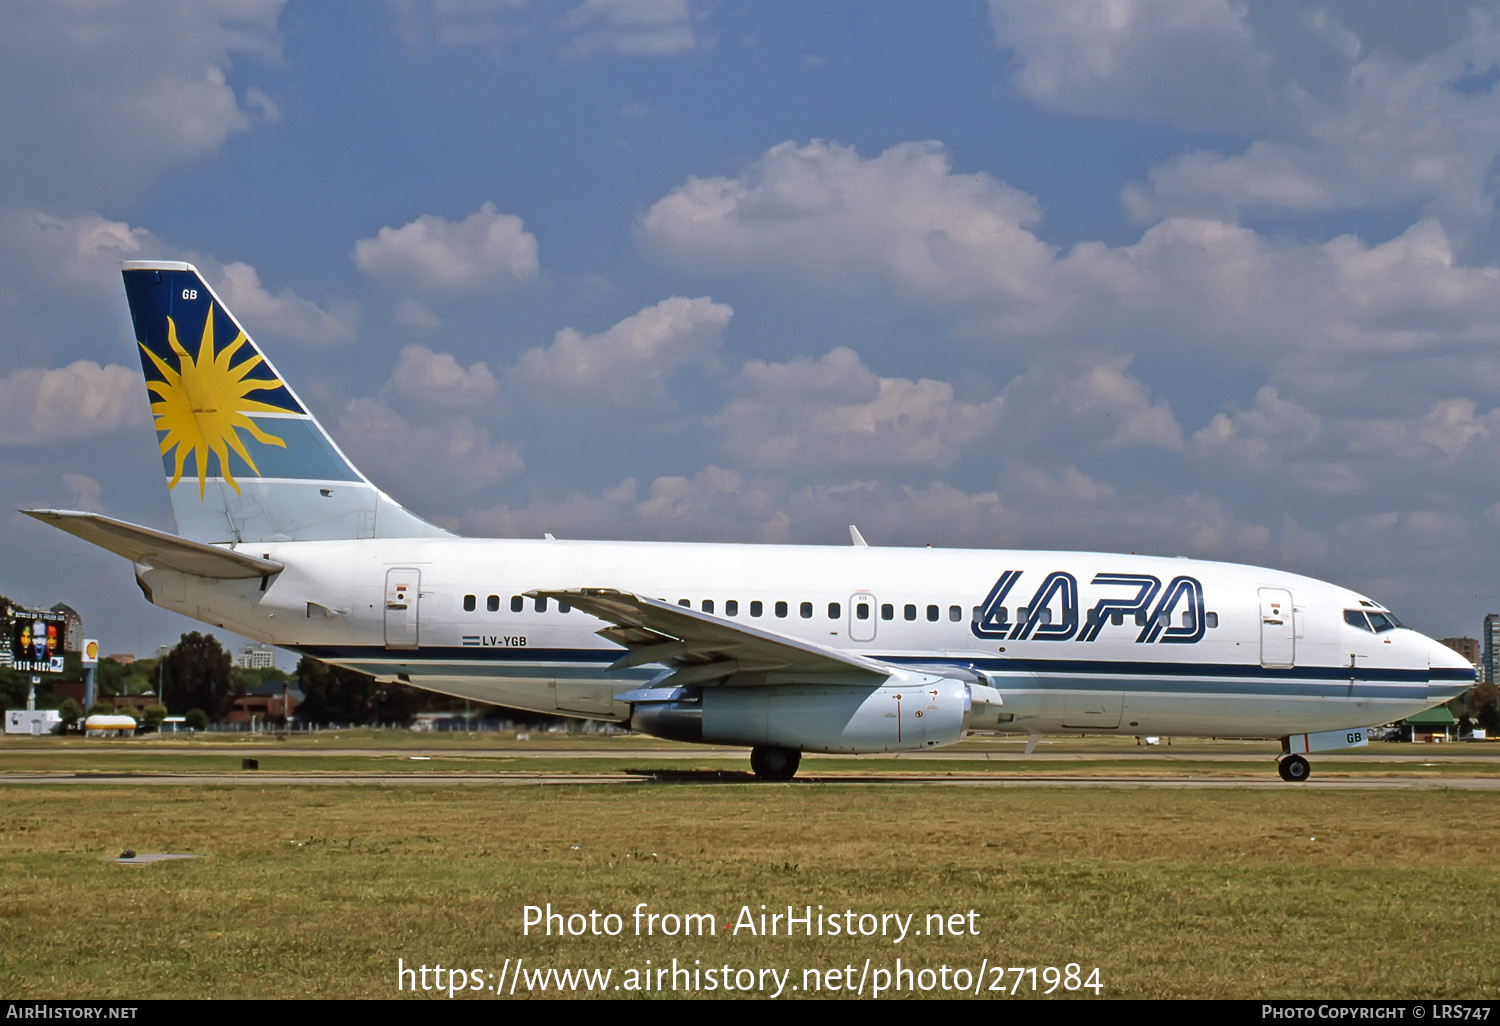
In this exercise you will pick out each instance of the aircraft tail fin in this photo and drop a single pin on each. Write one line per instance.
(244, 459)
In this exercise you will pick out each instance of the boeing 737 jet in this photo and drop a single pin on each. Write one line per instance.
(784, 649)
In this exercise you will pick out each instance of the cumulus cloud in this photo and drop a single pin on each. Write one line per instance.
(434, 461)
(1404, 457)
(1058, 414)
(637, 28)
(80, 400)
(1347, 104)
(834, 411)
(416, 315)
(1190, 60)
(83, 492)
(714, 504)
(629, 28)
(964, 244)
(43, 255)
(439, 378)
(115, 93)
(484, 252)
(822, 210)
(629, 362)
(284, 313)
(49, 265)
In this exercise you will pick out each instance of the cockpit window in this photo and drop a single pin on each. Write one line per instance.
(1381, 622)
(1356, 618)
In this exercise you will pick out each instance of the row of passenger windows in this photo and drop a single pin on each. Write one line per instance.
(517, 604)
(862, 610)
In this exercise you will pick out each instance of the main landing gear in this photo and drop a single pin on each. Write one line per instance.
(1293, 768)
(772, 763)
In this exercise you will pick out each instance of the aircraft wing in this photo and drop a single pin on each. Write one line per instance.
(704, 649)
(156, 548)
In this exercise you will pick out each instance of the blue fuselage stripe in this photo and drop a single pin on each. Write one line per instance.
(1046, 674)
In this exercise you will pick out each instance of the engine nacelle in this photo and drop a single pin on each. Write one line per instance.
(903, 715)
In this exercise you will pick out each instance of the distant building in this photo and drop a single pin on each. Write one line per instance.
(32, 721)
(68, 689)
(256, 657)
(265, 705)
(122, 658)
(1491, 664)
(1466, 647)
(72, 640)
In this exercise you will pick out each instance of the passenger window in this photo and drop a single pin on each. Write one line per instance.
(731, 607)
(492, 603)
(541, 603)
(1140, 618)
(909, 611)
(1189, 619)
(862, 610)
(835, 610)
(1210, 620)
(887, 611)
(1117, 618)
(932, 614)
(708, 605)
(516, 603)
(756, 608)
(685, 603)
(468, 603)
(806, 610)
(563, 607)
(1021, 612)
(781, 609)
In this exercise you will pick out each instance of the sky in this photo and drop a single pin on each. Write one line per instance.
(1186, 277)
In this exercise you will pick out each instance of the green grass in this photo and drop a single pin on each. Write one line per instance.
(317, 891)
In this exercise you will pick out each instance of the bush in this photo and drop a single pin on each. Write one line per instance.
(71, 712)
(196, 719)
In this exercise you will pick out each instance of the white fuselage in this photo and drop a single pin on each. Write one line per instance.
(1209, 649)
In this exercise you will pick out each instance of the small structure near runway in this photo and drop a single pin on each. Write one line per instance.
(32, 721)
(109, 726)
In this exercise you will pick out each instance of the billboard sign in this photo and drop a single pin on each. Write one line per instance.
(36, 641)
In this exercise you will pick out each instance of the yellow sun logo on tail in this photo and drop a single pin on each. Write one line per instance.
(202, 406)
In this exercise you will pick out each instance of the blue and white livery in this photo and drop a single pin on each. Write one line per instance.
(785, 649)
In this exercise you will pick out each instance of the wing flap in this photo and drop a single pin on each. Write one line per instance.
(156, 548)
(703, 649)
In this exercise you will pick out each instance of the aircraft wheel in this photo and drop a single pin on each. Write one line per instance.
(1294, 769)
(772, 763)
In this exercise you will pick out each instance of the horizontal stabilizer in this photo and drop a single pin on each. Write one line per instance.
(156, 548)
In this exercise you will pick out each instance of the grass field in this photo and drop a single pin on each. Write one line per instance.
(394, 751)
(317, 891)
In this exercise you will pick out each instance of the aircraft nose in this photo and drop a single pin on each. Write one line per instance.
(1449, 674)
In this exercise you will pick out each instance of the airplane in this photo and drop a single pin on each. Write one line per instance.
(783, 649)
